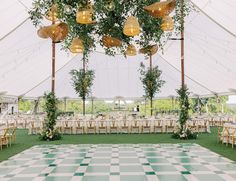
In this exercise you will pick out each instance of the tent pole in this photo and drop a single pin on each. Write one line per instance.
(53, 63)
(84, 77)
(182, 43)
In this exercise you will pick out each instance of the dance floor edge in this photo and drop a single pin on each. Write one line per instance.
(113, 162)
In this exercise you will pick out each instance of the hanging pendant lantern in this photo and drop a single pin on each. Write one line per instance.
(85, 16)
(149, 50)
(110, 42)
(57, 32)
(131, 51)
(76, 46)
(167, 24)
(131, 27)
(52, 13)
(161, 9)
(42, 33)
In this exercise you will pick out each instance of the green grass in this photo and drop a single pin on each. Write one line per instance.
(25, 141)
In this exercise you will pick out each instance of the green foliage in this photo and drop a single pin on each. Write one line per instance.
(82, 81)
(187, 8)
(151, 80)
(24, 105)
(198, 104)
(49, 131)
(110, 21)
(184, 106)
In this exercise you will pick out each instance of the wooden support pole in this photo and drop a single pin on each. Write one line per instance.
(182, 43)
(53, 62)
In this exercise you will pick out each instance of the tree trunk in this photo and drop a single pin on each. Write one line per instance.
(207, 108)
(83, 106)
(151, 105)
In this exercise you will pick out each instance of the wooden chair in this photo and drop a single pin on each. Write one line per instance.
(113, 127)
(11, 134)
(124, 126)
(91, 127)
(232, 137)
(4, 138)
(158, 126)
(79, 128)
(170, 126)
(146, 126)
(135, 127)
(102, 127)
(34, 128)
(194, 126)
(225, 136)
(202, 127)
(67, 127)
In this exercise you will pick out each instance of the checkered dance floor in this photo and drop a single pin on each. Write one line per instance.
(128, 162)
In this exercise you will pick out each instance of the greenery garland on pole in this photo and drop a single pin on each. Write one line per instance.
(49, 131)
(152, 82)
(182, 131)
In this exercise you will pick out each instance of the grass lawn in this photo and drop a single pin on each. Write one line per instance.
(25, 141)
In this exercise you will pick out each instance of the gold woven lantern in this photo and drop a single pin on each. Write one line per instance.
(149, 50)
(42, 32)
(76, 46)
(131, 50)
(167, 24)
(131, 27)
(57, 32)
(85, 16)
(111, 42)
(52, 13)
(161, 9)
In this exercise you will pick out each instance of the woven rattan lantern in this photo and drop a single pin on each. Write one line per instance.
(131, 27)
(167, 24)
(131, 51)
(85, 16)
(57, 32)
(76, 46)
(161, 9)
(149, 50)
(110, 42)
(52, 13)
(42, 33)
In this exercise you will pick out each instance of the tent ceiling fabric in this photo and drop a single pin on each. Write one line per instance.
(210, 55)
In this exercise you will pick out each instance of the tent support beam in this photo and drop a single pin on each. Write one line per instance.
(53, 67)
(182, 44)
(53, 63)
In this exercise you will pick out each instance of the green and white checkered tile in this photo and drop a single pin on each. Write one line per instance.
(125, 162)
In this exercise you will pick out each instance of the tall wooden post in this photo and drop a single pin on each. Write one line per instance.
(150, 61)
(53, 61)
(182, 43)
(84, 71)
(150, 56)
(53, 67)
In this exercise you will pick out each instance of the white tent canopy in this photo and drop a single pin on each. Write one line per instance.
(210, 57)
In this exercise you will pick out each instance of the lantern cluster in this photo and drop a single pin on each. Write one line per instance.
(58, 31)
